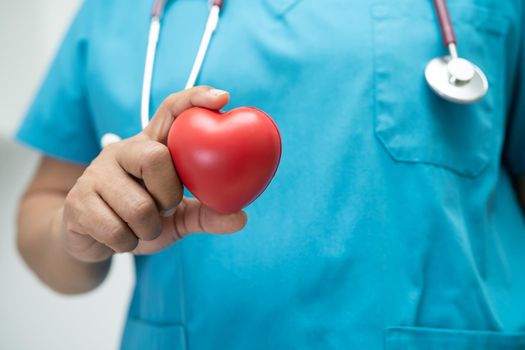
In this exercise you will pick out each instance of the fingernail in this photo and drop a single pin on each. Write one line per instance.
(168, 212)
(217, 92)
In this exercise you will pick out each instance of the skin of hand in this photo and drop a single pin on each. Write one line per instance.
(129, 199)
(109, 211)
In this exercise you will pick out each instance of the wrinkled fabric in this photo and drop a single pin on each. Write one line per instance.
(392, 221)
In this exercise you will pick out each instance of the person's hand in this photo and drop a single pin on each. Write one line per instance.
(130, 198)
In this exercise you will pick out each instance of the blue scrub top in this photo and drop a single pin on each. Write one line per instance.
(392, 221)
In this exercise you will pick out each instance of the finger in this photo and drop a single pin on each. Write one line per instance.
(131, 202)
(104, 225)
(86, 248)
(192, 216)
(151, 162)
(166, 238)
(175, 104)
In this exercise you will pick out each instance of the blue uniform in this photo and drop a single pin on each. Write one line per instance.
(392, 221)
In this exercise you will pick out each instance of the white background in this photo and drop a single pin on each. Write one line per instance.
(32, 316)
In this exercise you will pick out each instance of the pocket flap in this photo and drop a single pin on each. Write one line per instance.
(412, 123)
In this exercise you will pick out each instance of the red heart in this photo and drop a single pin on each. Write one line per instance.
(226, 160)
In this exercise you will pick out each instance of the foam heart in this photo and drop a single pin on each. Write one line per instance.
(226, 160)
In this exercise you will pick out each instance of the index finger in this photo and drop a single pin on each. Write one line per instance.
(175, 104)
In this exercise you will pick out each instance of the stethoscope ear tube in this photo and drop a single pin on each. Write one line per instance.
(211, 25)
(451, 77)
(151, 51)
(158, 8)
(154, 33)
(153, 39)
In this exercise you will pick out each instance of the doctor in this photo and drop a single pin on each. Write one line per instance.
(393, 222)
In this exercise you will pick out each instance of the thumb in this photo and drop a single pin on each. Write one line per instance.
(192, 216)
(175, 104)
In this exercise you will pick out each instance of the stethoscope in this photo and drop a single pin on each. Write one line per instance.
(453, 78)
(151, 51)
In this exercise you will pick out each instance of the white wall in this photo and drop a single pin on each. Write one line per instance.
(32, 316)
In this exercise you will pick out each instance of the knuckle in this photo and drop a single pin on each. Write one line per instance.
(155, 155)
(171, 99)
(143, 209)
(146, 218)
(108, 153)
(93, 173)
(73, 203)
(83, 182)
(116, 234)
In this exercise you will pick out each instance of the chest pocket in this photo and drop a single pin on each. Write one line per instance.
(415, 125)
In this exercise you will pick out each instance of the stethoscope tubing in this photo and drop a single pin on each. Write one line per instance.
(151, 54)
(151, 51)
(149, 64)
(445, 23)
(452, 77)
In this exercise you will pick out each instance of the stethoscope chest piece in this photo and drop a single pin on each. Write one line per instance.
(456, 79)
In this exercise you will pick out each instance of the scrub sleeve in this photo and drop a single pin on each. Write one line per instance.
(58, 122)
